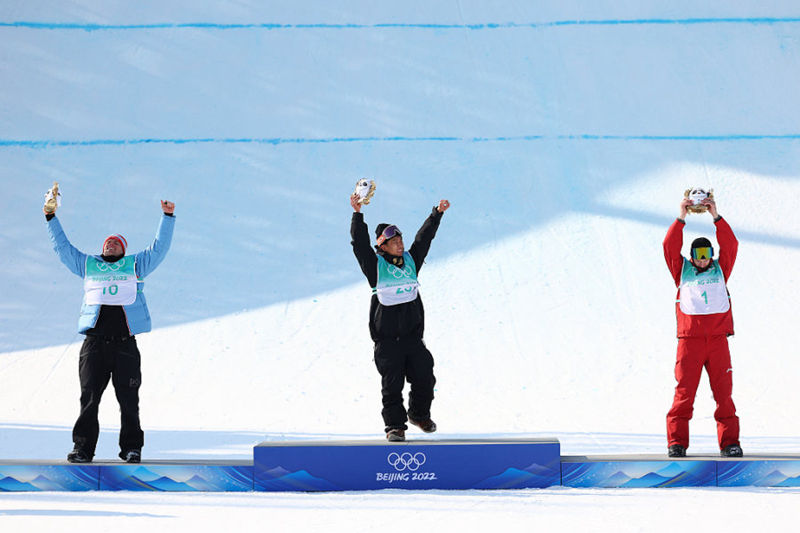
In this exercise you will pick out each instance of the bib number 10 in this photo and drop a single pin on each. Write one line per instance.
(113, 289)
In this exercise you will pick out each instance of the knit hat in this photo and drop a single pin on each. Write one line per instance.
(379, 229)
(387, 231)
(120, 239)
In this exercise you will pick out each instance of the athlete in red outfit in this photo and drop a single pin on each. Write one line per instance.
(704, 324)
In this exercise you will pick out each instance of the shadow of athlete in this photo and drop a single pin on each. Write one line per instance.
(397, 317)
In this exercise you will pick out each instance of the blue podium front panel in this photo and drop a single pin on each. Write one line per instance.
(219, 476)
(760, 471)
(423, 464)
(17, 477)
(637, 472)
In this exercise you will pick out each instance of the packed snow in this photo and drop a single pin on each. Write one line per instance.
(564, 148)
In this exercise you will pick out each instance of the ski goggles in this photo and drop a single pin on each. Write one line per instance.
(388, 233)
(704, 252)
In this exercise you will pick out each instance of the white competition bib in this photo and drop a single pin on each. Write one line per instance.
(704, 293)
(110, 283)
(397, 285)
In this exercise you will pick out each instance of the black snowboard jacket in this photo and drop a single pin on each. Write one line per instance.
(394, 322)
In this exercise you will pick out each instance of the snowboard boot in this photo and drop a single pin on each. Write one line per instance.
(396, 435)
(734, 450)
(79, 455)
(131, 456)
(427, 425)
(676, 450)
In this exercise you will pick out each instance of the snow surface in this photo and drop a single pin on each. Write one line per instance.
(564, 149)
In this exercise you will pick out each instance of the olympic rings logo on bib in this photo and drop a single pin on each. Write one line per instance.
(110, 267)
(399, 273)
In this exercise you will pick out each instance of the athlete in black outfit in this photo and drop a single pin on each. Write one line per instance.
(397, 318)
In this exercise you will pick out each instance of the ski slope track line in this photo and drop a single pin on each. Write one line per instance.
(52, 143)
(398, 25)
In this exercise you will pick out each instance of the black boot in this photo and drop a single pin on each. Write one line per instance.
(131, 456)
(734, 450)
(676, 450)
(79, 455)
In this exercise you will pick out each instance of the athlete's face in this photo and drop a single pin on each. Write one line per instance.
(394, 246)
(701, 263)
(112, 248)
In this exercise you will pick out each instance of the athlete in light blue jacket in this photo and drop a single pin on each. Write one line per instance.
(136, 314)
(114, 310)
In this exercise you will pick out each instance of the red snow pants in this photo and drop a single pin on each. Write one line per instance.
(694, 353)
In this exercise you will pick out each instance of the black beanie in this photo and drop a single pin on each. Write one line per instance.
(379, 229)
(701, 242)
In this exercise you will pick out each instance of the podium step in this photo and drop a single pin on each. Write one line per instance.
(185, 476)
(638, 471)
(415, 464)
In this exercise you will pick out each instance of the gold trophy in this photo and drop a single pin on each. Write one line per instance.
(365, 189)
(697, 195)
(52, 200)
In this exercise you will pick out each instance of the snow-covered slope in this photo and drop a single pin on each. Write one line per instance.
(564, 149)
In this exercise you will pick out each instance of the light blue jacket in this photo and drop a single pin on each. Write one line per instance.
(137, 315)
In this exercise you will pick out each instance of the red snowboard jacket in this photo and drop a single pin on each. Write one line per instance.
(701, 325)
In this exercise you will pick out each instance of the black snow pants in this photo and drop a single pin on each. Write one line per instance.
(398, 361)
(102, 359)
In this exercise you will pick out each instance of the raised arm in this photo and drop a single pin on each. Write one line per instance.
(148, 259)
(422, 242)
(673, 242)
(728, 246)
(362, 248)
(73, 259)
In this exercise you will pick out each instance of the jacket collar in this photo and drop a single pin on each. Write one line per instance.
(393, 259)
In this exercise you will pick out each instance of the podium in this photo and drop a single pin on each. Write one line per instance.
(449, 464)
